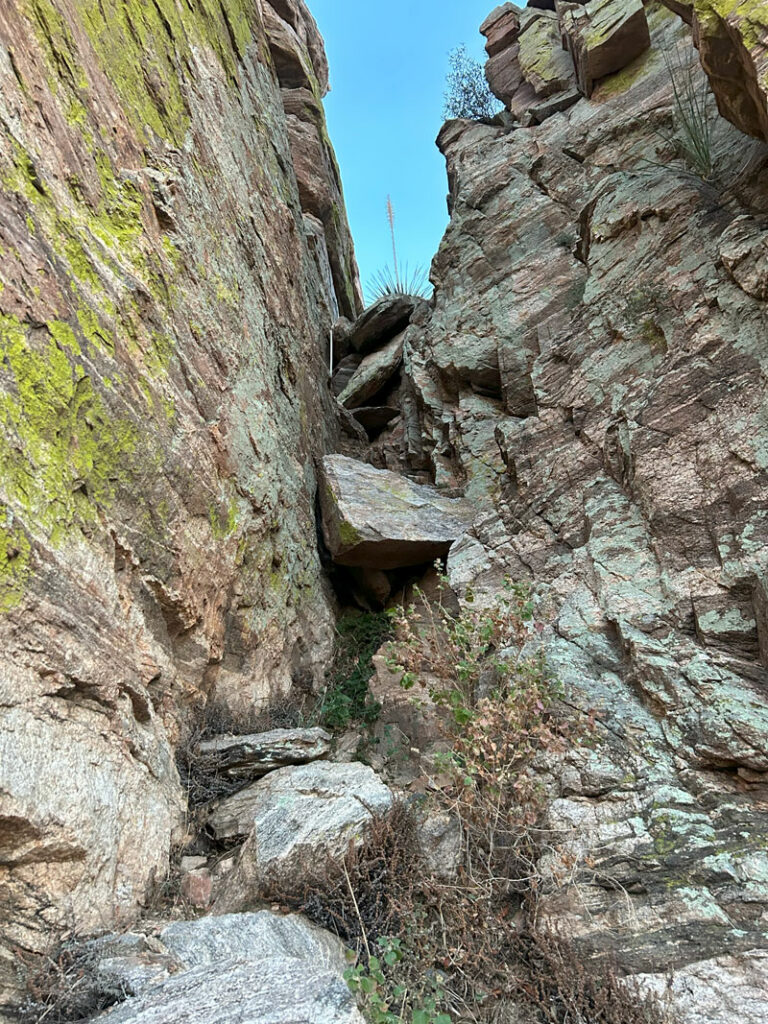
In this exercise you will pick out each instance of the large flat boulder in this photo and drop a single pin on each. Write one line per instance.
(272, 990)
(378, 519)
(256, 754)
(296, 819)
(382, 321)
(603, 37)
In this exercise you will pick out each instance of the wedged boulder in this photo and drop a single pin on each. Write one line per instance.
(545, 65)
(344, 371)
(733, 48)
(382, 321)
(378, 519)
(603, 37)
(296, 819)
(272, 990)
(373, 373)
(249, 756)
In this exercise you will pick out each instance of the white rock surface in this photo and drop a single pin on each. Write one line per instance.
(272, 990)
(241, 936)
(295, 819)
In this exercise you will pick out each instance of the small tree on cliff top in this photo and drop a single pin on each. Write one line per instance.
(467, 93)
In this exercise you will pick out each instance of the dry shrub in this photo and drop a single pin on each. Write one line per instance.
(200, 779)
(566, 991)
(505, 718)
(66, 987)
(371, 893)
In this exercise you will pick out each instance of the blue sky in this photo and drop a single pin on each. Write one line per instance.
(388, 65)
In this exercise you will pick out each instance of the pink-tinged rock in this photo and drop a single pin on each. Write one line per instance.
(504, 74)
(197, 888)
(501, 28)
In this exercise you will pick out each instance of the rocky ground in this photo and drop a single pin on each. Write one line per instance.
(579, 408)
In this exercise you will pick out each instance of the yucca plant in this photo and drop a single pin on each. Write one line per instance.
(694, 114)
(397, 281)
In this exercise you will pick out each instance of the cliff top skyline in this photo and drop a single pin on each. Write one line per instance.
(388, 68)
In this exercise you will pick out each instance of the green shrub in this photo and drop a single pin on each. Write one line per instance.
(385, 1000)
(694, 114)
(347, 697)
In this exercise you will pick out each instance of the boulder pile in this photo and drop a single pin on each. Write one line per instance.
(368, 357)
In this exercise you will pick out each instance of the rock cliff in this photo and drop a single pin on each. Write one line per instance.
(592, 373)
(174, 250)
(581, 406)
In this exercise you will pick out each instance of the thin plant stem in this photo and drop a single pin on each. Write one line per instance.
(391, 220)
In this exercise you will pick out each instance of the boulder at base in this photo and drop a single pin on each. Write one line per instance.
(222, 970)
(272, 990)
(377, 519)
(296, 820)
(258, 753)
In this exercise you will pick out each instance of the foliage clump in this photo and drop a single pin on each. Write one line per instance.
(467, 93)
(432, 949)
(346, 697)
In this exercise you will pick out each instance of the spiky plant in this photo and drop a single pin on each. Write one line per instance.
(397, 281)
(694, 114)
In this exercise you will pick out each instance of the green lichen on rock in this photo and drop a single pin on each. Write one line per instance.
(62, 455)
(223, 522)
(751, 16)
(622, 81)
(348, 535)
(55, 37)
(14, 560)
(144, 49)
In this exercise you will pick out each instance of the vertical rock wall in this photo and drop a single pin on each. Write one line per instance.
(163, 328)
(593, 375)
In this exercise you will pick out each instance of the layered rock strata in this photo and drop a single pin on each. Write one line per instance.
(541, 60)
(174, 251)
(592, 374)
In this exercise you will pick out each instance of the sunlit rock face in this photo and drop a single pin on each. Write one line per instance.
(166, 291)
(592, 375)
